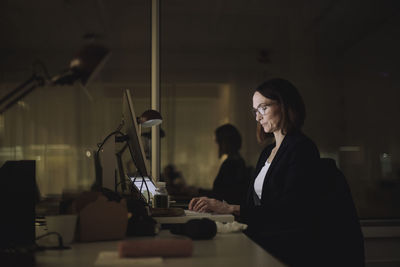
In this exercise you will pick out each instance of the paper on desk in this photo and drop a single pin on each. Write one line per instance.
(230, 227)
(111, 258)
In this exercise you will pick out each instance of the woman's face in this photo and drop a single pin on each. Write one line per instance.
(267, 112)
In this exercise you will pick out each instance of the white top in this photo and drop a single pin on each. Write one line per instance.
(258, 183)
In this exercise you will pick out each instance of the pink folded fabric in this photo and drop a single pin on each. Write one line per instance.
(156, 248)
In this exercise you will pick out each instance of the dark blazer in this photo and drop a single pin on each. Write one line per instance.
(287, 187)
(232, 180)
(287, 221)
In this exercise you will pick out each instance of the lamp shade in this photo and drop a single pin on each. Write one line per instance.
(150, 118)
(84, 65)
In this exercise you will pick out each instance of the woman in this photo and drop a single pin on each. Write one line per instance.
(284, 200)
(232, 179)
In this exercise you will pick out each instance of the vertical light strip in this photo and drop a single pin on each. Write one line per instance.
(155, 87)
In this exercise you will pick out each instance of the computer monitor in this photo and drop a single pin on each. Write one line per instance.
(134, 141)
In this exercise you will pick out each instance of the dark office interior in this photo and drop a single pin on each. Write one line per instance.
(342, 55)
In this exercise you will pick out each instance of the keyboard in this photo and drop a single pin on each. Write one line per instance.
(189, 215)
(196, 213)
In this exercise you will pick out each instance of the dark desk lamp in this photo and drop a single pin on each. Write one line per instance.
(149, 118)
(83, 67)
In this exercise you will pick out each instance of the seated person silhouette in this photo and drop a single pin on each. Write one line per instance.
(233, 176)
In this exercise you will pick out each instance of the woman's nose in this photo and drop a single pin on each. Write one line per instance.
(259, 117)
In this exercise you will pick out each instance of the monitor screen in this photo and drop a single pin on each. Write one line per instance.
(145, 186)
(134, 140)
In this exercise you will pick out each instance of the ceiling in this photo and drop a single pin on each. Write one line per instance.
(212, 37)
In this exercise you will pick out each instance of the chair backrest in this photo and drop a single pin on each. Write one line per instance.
(341, 224)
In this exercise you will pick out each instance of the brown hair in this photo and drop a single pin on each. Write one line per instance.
(293, 112)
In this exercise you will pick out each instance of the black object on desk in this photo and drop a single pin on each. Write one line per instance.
(17, 203)
(196, 229)
(140, 223)
(18, 194)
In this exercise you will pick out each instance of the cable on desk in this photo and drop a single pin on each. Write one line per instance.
(60, 241)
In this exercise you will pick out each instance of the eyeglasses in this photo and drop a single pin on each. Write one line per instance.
(261, 109)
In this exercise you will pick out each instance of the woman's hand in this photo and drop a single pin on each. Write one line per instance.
(205, 204)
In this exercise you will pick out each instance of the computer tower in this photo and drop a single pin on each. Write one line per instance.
(18, 194)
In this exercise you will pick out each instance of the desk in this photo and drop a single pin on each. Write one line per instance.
(231, 250)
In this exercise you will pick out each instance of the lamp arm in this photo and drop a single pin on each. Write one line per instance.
(8, 101)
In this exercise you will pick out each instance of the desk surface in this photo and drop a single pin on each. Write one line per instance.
(231, 250)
